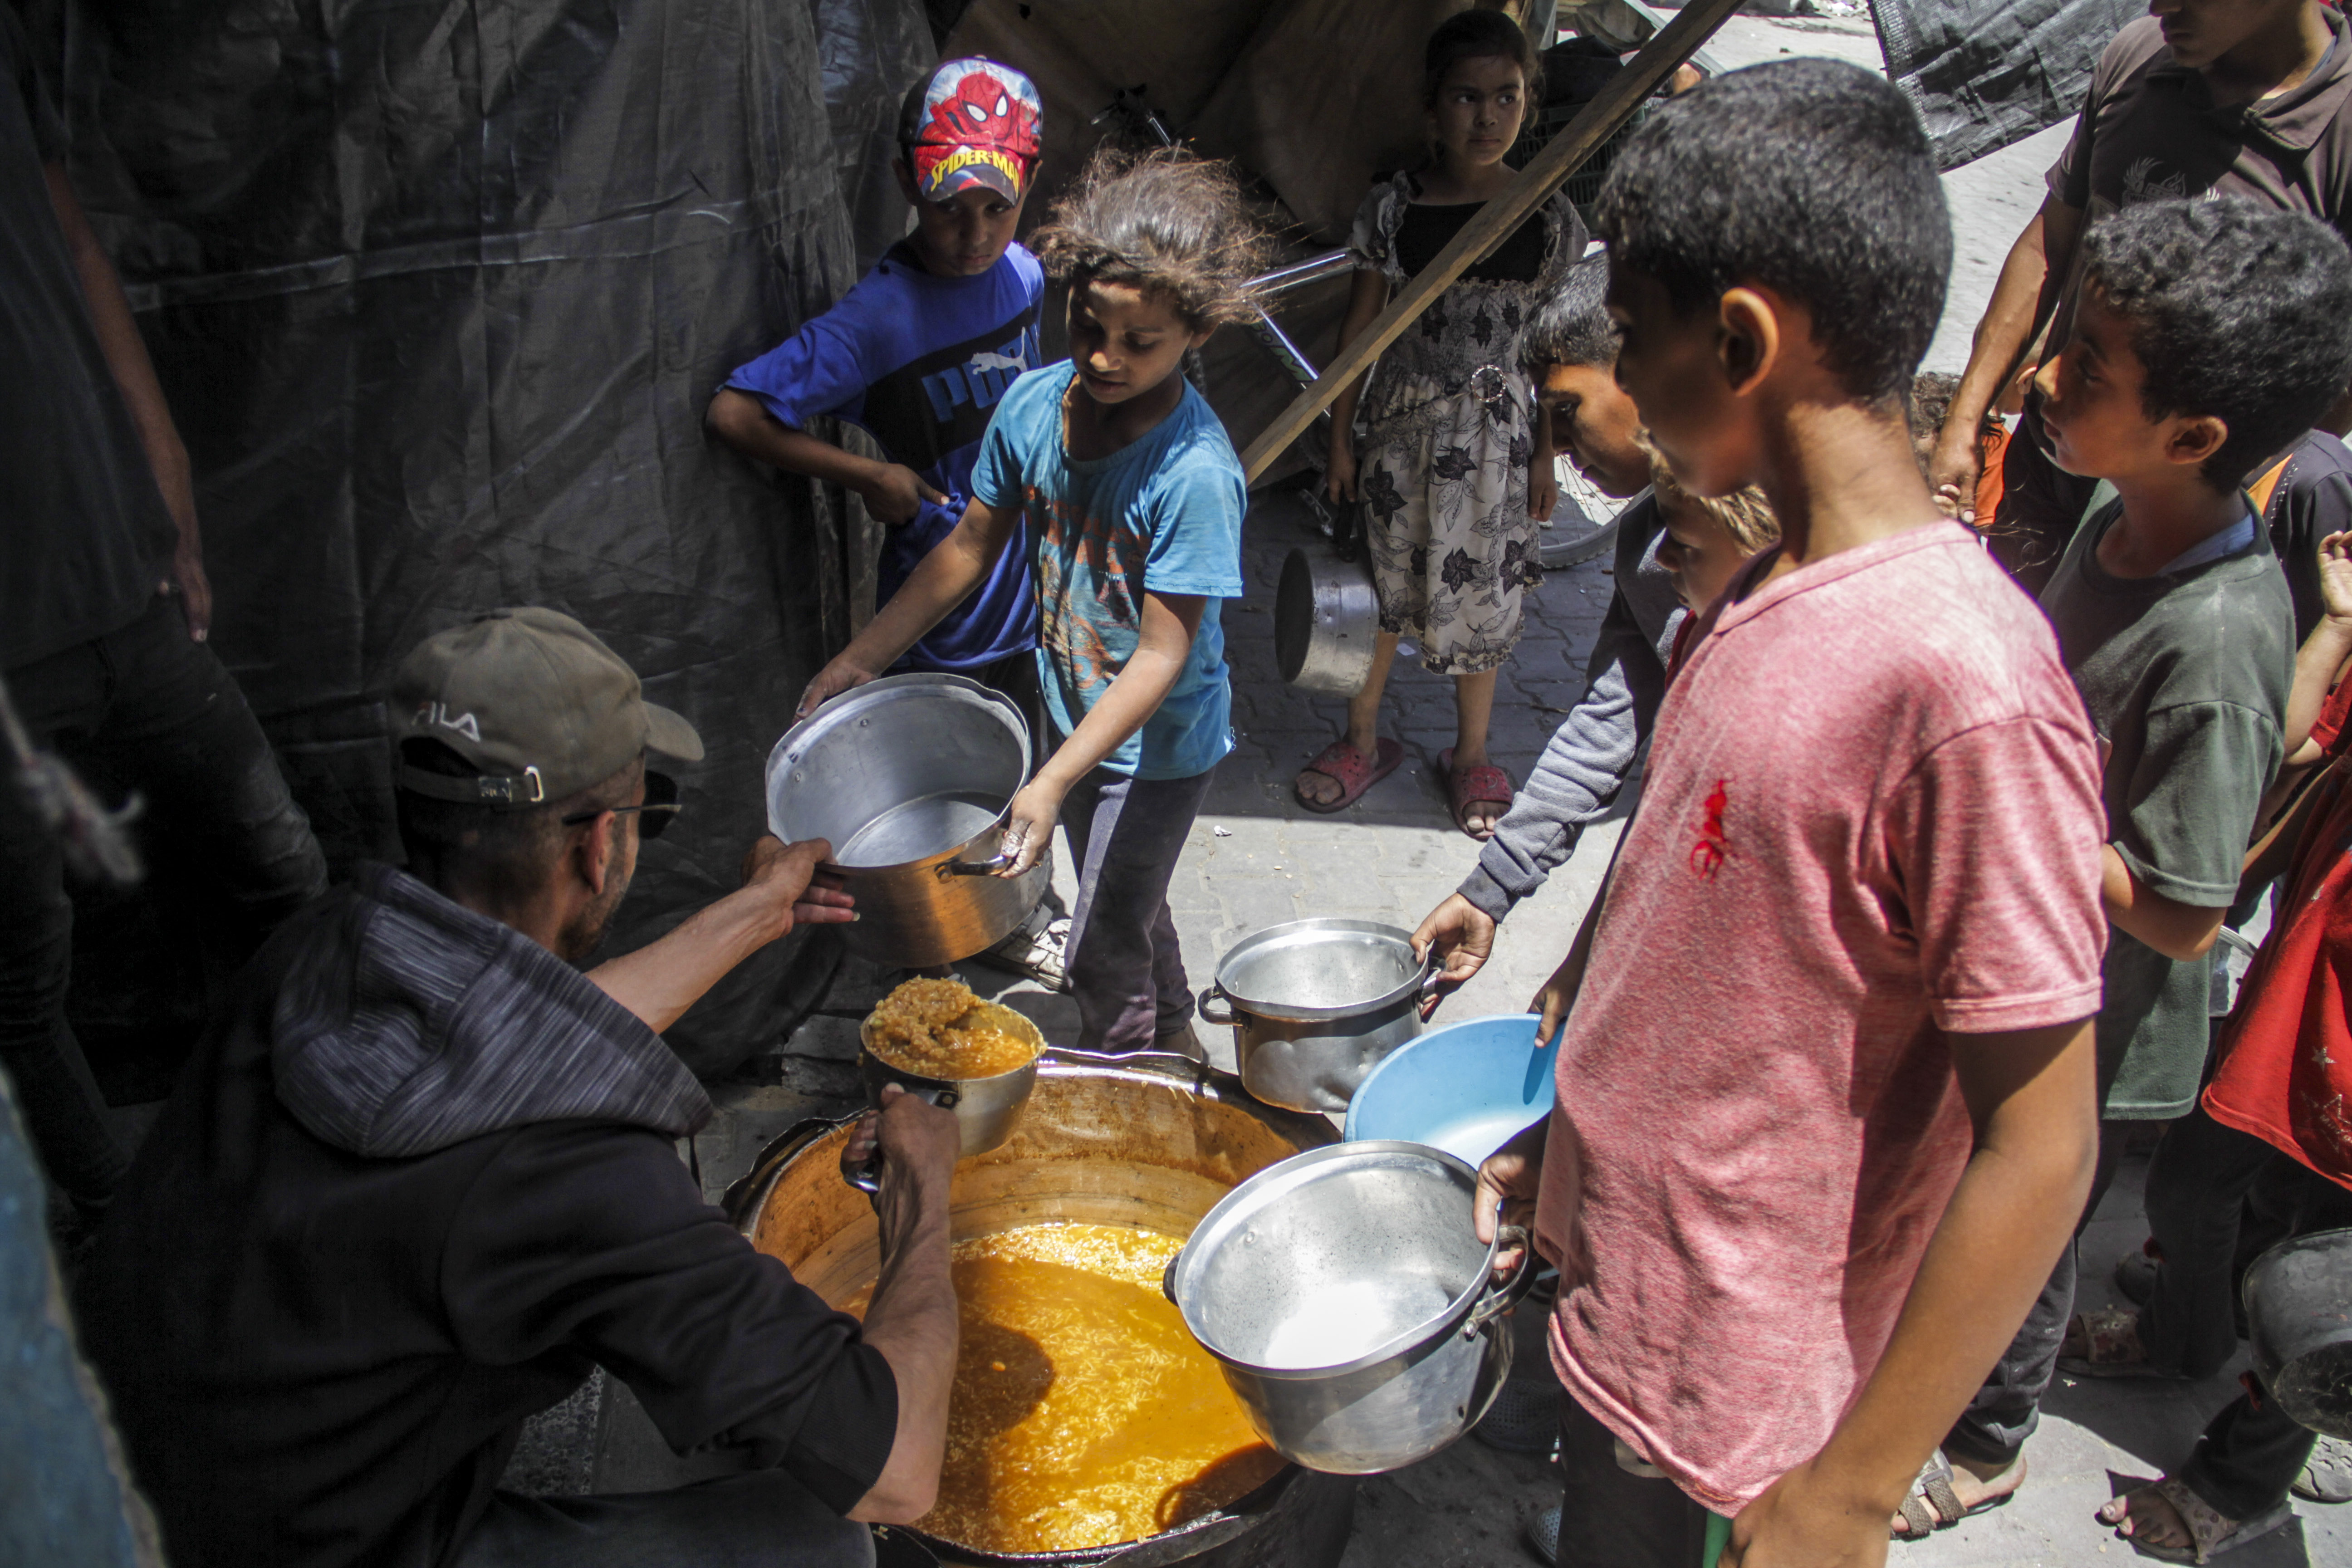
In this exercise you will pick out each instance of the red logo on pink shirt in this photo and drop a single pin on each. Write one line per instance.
(1713, 848)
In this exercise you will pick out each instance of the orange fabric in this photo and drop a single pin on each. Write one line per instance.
(1994, 451)
(2260, 490)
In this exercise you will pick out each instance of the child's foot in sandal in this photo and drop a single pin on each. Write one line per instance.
(1481, 795)
(1339, 774)
(2106, 1344)
(1949, 1490)
(2166, 1520)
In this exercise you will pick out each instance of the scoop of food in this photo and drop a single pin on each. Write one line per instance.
(939, 1029)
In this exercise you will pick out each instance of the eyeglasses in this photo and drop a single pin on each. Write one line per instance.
(659, 806)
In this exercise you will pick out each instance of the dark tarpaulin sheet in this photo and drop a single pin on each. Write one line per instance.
(439, 290)
(1985, 73)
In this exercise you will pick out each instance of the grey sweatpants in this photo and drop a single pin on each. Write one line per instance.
(1124, 965)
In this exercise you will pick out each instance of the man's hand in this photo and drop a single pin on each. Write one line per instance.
(896, 493)
(196, 589)
(1464, 937)
(1799, 1524)
(786, 873)
(839, 676)
(1507, 1183)
(919, 1145)
(2335, 576)
(1029, 824)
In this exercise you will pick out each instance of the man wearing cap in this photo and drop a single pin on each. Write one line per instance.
(423, 1176)
(916, 356)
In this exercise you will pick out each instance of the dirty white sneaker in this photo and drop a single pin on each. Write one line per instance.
(1036, 948)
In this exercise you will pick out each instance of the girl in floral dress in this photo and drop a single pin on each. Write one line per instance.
(1454, 473)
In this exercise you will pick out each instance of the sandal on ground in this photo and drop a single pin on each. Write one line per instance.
(2108, 1345)
(2209, 1533)
(1543, 1535)
(1935, 1505)
(2135, 1275)
(2328, 1475)
(1038, 947)
(1463, 788)
(1353, 771)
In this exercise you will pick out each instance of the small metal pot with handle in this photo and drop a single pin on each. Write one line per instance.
(1353, 1310)
(986, 1109)
(1326, 615)
(911, 778)
(1316, 1004)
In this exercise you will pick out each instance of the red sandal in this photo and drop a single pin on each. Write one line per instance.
(1485, 782)
(1352, 770)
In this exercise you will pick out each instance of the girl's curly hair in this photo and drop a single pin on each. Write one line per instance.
(1166, 221)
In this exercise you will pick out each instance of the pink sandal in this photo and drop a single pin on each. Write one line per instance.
(1353, 771)
(1485, 782)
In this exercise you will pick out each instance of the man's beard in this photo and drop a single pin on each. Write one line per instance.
(586, 930)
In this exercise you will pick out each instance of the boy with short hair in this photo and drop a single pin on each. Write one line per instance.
(2207, 335)
(1570, 350)
(1824, 1109)
(917, 353)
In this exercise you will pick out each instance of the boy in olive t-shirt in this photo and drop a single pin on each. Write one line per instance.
(2208, 336)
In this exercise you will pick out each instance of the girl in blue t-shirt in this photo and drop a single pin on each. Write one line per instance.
(1132, 499)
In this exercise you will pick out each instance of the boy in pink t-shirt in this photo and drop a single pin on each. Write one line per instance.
(1825, 1110)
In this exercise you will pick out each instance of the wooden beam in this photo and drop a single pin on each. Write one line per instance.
(1562, 156)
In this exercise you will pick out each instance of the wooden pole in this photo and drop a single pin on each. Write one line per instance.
(1562, 156)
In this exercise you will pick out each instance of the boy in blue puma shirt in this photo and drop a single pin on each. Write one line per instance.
(917, 355)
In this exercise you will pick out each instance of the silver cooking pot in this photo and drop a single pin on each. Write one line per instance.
(1151, 1141)
(1314, 1005)
(1350, 1305)
(1325, 617)
(910, 778)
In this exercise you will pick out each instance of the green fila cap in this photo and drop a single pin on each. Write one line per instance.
(531, 698)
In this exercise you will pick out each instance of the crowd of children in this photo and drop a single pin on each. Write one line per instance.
(1963, 883)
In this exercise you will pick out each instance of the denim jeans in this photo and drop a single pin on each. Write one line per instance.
(147, 708)
(1126, 969)
(766, 1520)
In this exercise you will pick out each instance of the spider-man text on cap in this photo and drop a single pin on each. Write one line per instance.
(983, 121)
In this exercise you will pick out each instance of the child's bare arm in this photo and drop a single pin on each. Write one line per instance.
(893, 492)
(1364, 306)
(2031, 1096)
(956, 565)
(1165, 642)
(2180, 931)
(2321, 657)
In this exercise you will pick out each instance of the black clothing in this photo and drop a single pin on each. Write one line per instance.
(2311, 501)
(1611, 1518)
(147, 708)
(88, 535)
(764, 1520)
(1427, 229)
(417, 1181)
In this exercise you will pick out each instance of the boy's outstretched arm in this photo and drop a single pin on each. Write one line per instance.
(893, 492)
(2032, 1098)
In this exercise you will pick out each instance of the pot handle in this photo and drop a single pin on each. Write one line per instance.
(1515, 1289)
(1168, 1276)
(1214, 996)
(988, 868)
(867, 1177)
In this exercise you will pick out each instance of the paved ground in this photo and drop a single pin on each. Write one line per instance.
(1255, 859)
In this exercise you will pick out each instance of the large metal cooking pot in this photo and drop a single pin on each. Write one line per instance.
(1150, 1142)
(910, 778)
(1325, 617)
(1350, 1305)
(2299, 1322)
(1316, 1004)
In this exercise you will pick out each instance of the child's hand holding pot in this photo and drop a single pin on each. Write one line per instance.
(1029, 827)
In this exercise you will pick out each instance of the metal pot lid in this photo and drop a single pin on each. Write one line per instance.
(1335, 1260)
(1321, 969)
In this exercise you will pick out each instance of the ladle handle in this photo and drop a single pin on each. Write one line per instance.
(866, 1175)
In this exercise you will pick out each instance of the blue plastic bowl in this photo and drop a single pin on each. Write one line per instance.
(1468, 1088)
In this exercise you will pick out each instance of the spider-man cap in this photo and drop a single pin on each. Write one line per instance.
(971, 122)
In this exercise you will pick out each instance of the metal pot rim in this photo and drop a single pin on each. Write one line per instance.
(1266, 936)
(1434, 1327)
(838, 707)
